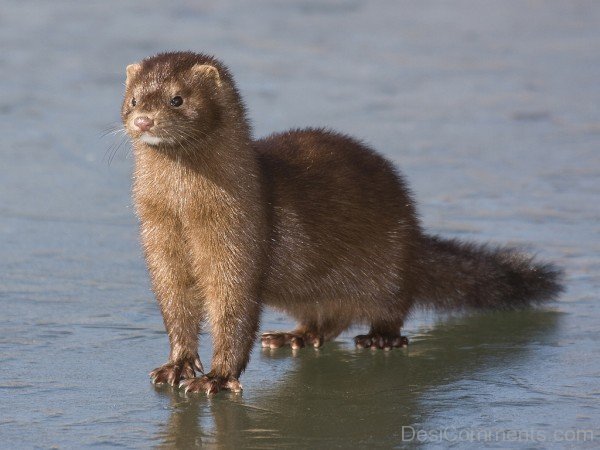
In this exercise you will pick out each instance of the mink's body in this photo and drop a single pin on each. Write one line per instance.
(308, 221)
(343, 231)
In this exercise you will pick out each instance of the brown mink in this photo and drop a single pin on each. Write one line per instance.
(309, 221)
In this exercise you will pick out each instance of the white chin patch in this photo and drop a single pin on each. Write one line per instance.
(150, 140)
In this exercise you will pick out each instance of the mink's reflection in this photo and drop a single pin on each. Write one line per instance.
(344, 397)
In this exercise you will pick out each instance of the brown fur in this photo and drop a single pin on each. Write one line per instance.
(308, 221)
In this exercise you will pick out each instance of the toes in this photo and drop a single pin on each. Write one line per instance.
(277, 340)
(188, 372)
(159, 375)
(160, 378)
(377, 343)
(400, 342)
(192, 385)
(266, 339)
(210, 385)
(234, 385)
(380, 342)
(294, 340)
(316, 341)
(297, 342)
(362, 341)
(274, 340)
(156, 378)
(172, 373)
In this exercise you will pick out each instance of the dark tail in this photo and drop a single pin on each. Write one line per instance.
(455, 275)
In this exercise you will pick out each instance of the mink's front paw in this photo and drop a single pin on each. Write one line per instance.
(173, 372)
(211, 384)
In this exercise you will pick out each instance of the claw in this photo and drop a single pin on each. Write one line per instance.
(210, 384)
(173, 372)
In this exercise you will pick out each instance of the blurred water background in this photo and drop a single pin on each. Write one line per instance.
(490, 109)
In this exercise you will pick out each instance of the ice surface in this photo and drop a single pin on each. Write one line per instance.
(490, 109)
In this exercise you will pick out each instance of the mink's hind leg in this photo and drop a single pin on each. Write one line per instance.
(383, 336)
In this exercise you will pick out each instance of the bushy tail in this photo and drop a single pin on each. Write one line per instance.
(455, 275)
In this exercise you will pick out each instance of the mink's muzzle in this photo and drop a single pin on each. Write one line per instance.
(144, 123)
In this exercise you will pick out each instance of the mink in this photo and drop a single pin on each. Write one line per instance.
(309, 221)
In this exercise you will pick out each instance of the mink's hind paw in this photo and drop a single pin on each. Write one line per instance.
(211, 384)
(173, 372)
(294, 339)
(380, 341)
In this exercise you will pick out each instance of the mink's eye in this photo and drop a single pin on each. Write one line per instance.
(133, 102)
(176, 101)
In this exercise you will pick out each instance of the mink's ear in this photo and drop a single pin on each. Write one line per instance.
(132, 70)
(207, 71)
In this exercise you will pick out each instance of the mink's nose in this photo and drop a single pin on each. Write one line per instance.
(143, 123)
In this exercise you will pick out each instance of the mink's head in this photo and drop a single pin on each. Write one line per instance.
(173, 99)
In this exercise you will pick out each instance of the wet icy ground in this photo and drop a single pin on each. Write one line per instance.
(492, 111)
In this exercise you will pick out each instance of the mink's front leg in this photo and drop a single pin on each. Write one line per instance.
(177, 294)
(234, 318)
(228, 257)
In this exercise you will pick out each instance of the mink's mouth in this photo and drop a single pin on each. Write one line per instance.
(150, 139)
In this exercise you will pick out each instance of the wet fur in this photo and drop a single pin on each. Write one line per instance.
(309, 221)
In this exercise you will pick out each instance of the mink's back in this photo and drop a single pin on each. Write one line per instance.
(342, 222)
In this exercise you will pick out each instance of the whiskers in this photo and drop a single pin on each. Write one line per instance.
(175, 137)
(121, 139)
(181, 137)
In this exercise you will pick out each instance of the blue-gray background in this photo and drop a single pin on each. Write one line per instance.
(490, 109)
